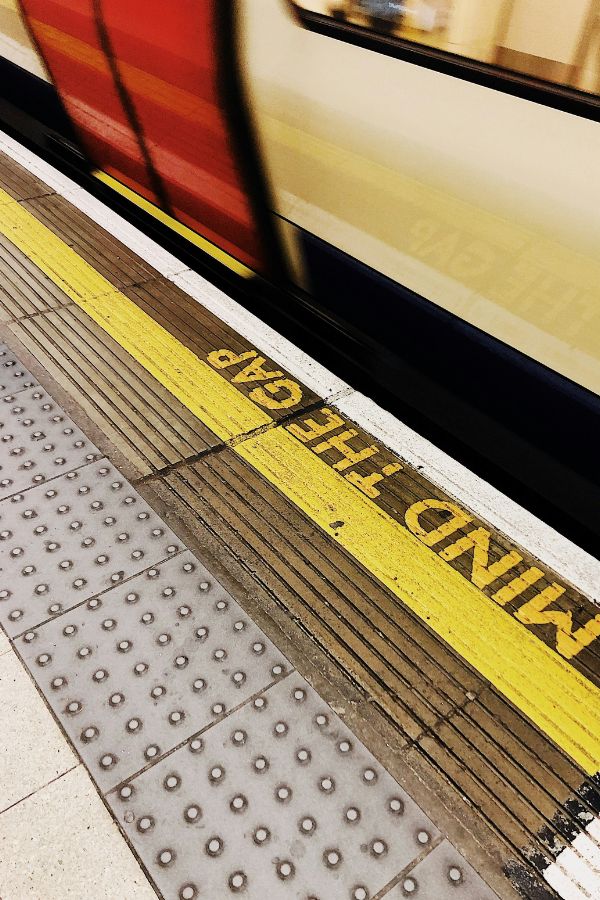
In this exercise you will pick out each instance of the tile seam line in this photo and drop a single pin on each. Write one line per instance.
(23, 491)
(37, 687)
(40, 312)
(395, 881)
(202, 731)
(552, 547)
(27, 233)
(42, 787)
(228, 444)
(101, 593)
(331, 607)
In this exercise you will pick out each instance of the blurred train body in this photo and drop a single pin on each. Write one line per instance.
(438, 201)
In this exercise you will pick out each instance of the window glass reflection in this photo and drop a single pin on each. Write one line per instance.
(553, 40)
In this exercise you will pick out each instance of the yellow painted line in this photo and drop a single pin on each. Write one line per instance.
(538, 681)
(211, 249)
(561, 701)
(196, 384)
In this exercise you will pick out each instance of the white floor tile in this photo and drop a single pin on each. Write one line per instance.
(4, 643)
(33, 750)
(61, 843)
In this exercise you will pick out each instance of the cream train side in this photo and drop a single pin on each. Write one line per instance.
(486, 204)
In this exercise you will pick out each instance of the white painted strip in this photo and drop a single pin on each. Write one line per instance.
(575, 875)
(556, 551)
(540, 539)
(299, 364)
(150, 251)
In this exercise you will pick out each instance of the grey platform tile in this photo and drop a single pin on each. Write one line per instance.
(39, 441)
(14, 377)
(135, 672)
(442, 875)
(63, 542)
(277, 800)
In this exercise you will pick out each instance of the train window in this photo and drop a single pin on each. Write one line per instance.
(551, 41)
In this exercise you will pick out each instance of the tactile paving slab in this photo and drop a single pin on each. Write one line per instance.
(442, 875)
(277, 800)
(39, 441)
(14, 377)
(133, 673)
(229, 773)
(64, 541)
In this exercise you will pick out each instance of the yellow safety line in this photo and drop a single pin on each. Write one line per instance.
(220, 255)
(537, 680)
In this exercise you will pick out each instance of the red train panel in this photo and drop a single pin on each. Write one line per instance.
(141, 84)
(66, 33)
(166, 54)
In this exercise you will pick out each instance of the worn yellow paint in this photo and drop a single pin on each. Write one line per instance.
(536, 679)
(196, 384)
(211, 249)
(539, 682)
